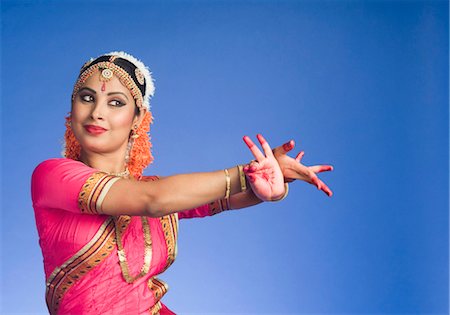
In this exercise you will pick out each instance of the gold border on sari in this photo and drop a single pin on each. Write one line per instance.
(169, 224)
(76, 267)
(154, 310)
(158, 288)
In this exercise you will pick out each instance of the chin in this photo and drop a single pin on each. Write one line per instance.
(102, 146)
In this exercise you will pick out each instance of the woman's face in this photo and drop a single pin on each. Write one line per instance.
(103, 118)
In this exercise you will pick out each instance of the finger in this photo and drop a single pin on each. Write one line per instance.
(316, 181)
(320, 168)
(299, 156)
(251, 177)
(253, 148)
(265, 145)
(288, 146)
(253, 166)
(325, 189)
(285, 148)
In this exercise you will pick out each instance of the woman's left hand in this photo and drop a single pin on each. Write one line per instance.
(293, 169)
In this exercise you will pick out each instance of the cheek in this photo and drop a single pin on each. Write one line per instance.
(78, 112)
(121, 121)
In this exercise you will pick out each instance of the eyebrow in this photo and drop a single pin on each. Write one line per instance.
(86, 88)
(112, 93)
(94, 92)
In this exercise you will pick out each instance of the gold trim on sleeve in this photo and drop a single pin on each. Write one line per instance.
(94, 191)
(219, 206)
(103, 193)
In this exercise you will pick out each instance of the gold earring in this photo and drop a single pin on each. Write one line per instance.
(134, 133)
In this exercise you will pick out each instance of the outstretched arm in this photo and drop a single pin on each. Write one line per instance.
(175, 193)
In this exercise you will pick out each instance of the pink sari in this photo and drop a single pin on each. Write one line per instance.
(79, 246)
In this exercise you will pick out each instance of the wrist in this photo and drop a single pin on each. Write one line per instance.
(286, 191)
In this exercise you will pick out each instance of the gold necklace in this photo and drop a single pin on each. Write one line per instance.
(121, 252)
(125, 173)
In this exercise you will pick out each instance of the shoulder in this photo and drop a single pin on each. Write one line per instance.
(148, 178)
(51, 166)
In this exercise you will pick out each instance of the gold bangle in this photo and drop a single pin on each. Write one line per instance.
(228, 181)
(286, 191)
(227, 202)
(242, 178)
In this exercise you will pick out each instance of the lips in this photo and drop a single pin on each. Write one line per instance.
(95, 130)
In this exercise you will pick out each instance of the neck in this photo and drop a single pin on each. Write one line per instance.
(105, 162)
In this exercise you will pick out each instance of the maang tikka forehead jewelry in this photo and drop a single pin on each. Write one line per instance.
(105, 75)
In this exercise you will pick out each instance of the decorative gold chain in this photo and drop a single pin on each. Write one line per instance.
(147, 253)
(123, 174)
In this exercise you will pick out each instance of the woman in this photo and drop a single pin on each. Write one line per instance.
(105, 230)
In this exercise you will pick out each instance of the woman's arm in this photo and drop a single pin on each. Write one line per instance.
(291, 168)
(169, 194)
(175, 193)
(244, 200)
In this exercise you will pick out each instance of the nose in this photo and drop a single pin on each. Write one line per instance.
(97, 112)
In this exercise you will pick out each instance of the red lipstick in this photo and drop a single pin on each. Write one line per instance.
(95, 130)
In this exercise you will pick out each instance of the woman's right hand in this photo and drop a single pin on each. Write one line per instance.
(264, 174)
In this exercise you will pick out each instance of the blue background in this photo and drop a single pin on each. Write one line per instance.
(360, 85)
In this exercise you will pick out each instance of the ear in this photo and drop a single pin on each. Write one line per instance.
(139, 117)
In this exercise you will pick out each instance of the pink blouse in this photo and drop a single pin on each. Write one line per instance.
(79, 246)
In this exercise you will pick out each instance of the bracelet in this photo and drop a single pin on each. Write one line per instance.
(219, 205)
(242, 178)
(286, 191)
(228, 181)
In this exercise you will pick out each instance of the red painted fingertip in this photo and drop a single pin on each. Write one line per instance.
(261, 138)
(247, 141)
(288, 145)
(300, 156)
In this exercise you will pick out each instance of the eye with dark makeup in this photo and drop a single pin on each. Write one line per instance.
(116, 103)
(89, 98)
(86, 97)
